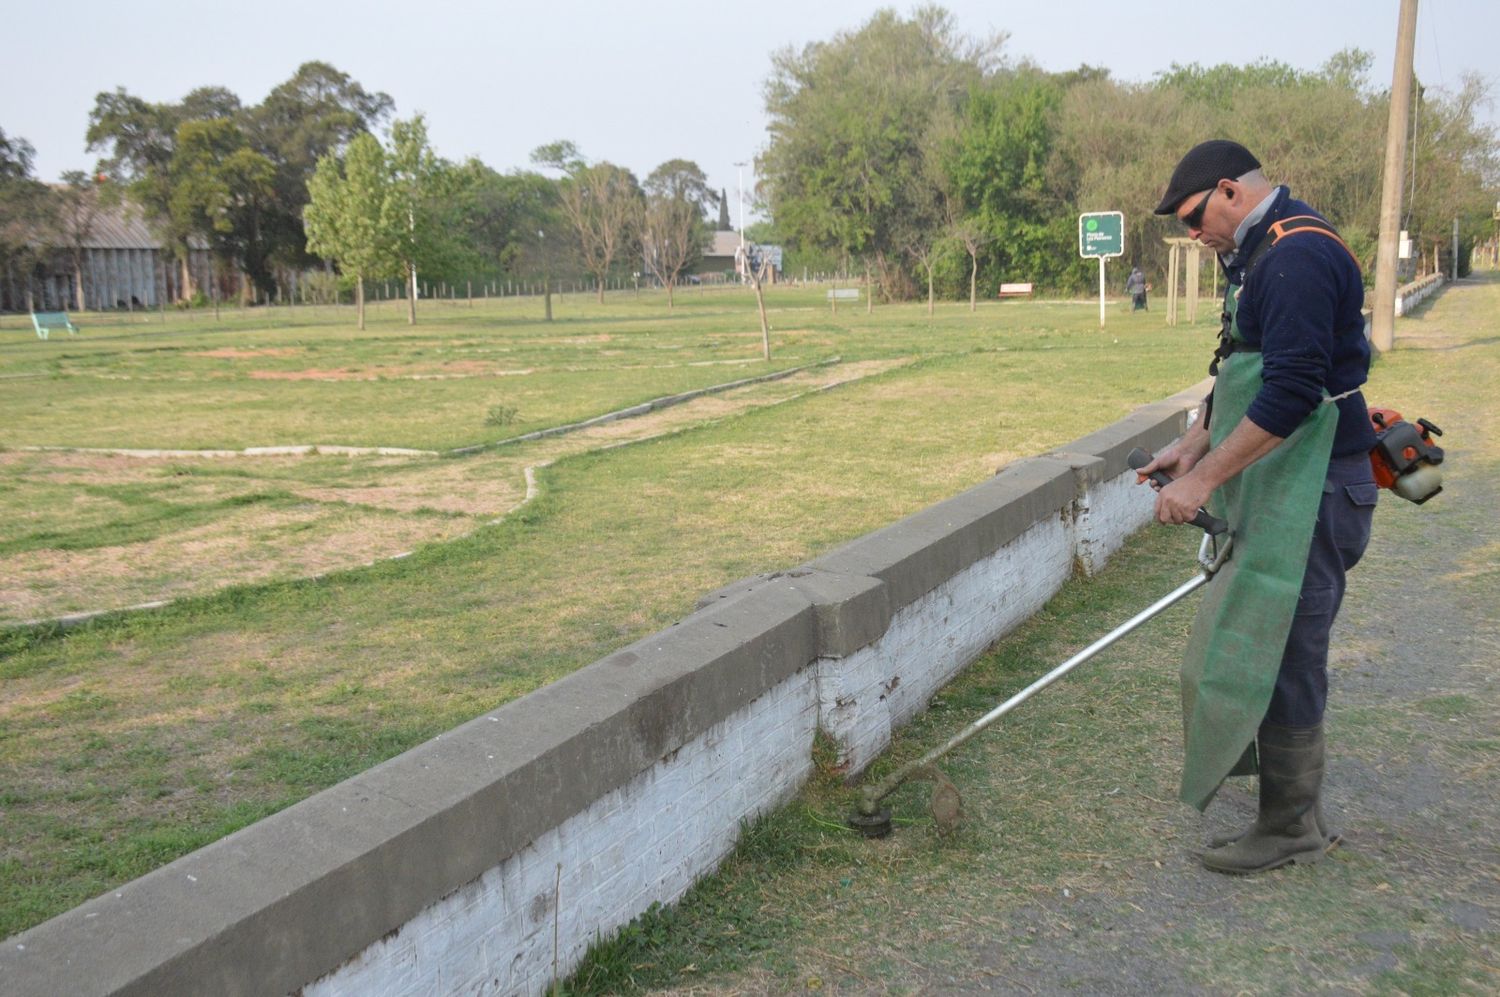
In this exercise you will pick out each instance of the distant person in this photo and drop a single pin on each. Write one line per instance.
(1282, 450)
(1135, 286)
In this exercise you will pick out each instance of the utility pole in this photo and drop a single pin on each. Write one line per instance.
(1455, 248)
(1383, 322)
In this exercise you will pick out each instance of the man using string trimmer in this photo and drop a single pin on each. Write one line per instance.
(1281, 449)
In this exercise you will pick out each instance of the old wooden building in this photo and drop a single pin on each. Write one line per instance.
(111, 260)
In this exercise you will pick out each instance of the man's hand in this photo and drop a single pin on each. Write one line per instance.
(1180, 501)
(1197, 472)
(1175, 461)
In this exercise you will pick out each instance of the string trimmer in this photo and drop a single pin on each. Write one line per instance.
(874, 821)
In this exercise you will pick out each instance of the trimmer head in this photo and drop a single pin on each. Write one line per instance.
(876, 825)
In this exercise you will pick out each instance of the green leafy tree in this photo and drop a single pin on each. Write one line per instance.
(139, 139)
(26, 210)
(426, 193)
(222, 191)
(505, 216)
(1454, 169)
(999, 165)
(843, 168)
(514, 220)
(352, 217)
(318, 111)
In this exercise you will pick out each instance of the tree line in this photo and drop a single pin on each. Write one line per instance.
(928, 159)
(924, 158)
(303, 181)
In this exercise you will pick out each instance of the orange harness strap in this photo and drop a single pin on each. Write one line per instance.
(1311, 223)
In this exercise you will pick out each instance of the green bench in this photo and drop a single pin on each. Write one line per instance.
(45, 322)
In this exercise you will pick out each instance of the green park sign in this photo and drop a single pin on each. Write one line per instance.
(1101, 234)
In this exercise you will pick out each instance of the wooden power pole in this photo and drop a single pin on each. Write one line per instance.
(1383, 321)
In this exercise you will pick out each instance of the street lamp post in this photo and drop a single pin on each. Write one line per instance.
(741, 190)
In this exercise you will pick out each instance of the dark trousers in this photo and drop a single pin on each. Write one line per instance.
(1338, 542)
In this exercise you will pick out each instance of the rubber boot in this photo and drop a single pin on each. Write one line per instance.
(1287, 830)
(1331, 836)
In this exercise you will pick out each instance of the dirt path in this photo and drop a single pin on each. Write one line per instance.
(1073, 871)
(281, 516)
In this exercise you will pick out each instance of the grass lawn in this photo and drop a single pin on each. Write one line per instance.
(135, 739)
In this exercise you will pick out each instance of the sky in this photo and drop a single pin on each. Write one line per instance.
(634, 84)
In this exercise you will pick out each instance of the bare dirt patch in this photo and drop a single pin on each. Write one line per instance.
(236, 353)
(239, 547)
(410, 372)
(483, 486)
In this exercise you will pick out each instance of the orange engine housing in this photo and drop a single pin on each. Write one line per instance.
(1400, 446)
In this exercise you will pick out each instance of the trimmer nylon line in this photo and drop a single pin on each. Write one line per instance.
(872, 795)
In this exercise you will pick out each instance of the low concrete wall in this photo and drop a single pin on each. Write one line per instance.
(1409, 295)
(488, 859)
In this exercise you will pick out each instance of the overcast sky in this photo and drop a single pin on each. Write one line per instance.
(639, 83)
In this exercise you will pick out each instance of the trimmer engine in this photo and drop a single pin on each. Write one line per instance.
(1405, 459)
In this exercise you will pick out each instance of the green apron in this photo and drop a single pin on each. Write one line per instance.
(1234, 652)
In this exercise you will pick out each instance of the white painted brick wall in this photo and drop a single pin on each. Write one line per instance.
(646, 842)
(883, 685)
(649, 840)
(1108, 513)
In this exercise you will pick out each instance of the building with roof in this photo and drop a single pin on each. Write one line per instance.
(111, 259)
(723, 255)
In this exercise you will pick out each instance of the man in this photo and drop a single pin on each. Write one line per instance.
(1281, 449)
(1135, 286)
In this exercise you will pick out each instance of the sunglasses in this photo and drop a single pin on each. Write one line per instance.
(1194, 218)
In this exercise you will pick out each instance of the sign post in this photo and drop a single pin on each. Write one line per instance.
(1101, 234)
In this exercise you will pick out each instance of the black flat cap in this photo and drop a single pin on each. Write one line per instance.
(1204, 166)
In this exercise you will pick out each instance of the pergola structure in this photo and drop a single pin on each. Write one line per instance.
(1175, 269)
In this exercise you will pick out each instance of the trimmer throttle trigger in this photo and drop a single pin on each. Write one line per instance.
(1212, 525)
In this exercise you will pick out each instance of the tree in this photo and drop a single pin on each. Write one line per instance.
(601, 203)
(1455, 166)
(426, 193)
(25, 210)
(139, 139)
(77, 208)
(318, 111)
(923, 227)
(673, 228)
(502, 213)
(724, 225)
(353, 219)
(16, 157)
(221, 192)
(843, 166)
(970, 233)
(1000, 168)
(314, 113)
(756, 267)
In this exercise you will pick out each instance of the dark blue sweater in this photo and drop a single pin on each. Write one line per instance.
(1301, 306)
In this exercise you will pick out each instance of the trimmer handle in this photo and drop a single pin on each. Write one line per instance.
(1212, 525)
